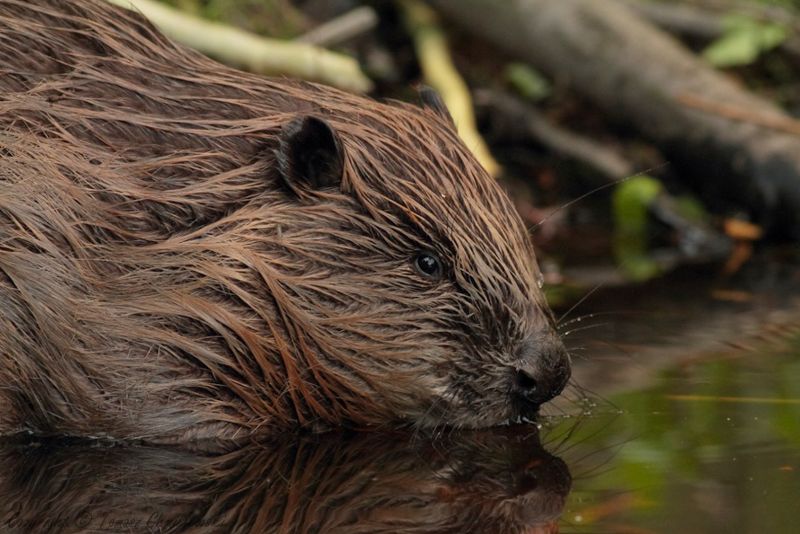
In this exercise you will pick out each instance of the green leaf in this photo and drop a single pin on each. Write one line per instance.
(631, 203)
(527, 81)
(744, 41)
(691, 208)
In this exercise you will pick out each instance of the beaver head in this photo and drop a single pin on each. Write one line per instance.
(410, 278)
(185, 246)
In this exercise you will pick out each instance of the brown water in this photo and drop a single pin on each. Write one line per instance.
(693, 425)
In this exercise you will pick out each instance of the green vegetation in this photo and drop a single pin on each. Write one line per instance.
(744, 40)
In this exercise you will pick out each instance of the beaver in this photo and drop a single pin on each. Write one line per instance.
(189, 252)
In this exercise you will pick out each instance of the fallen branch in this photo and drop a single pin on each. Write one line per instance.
(252, 52)
(525, 120)
(696, 240)
(441, 74)
(636, 72)
(343, 28)
(680, 19)
(773, 120)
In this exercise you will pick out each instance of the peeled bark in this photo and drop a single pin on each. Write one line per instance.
(633, 70)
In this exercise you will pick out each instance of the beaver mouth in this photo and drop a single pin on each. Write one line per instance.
(463, 405)
(510, 409)
(523, 410)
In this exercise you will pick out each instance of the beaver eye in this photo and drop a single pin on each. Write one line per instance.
(428, 264)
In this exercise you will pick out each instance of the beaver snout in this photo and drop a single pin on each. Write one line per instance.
(542, 370)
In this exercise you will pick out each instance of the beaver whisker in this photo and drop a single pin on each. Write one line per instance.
(566, 334)
(579, 319)
(580, 301)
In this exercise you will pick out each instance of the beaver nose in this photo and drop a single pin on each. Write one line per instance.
(542, 370)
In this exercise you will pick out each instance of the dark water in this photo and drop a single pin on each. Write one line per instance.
(697, 428)
(692, 425)
(482, 482)
(712, 446)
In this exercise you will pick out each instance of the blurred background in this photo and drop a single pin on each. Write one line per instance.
(634, 136)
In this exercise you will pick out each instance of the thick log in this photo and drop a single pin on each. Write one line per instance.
(640, 74)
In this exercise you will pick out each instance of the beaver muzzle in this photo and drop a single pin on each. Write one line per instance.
(541, 371)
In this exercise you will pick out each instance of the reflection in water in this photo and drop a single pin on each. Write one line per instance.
(710, 446)
(499, 481)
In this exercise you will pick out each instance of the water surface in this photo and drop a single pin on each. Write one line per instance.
(696, 425)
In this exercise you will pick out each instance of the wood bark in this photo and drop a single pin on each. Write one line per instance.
(638, 73)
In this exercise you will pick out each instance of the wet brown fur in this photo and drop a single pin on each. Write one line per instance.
(158, 281)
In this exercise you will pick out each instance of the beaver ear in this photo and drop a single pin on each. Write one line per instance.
(432, 100)
(310, 155)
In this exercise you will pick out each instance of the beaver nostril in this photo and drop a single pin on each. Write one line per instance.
(541, 372)
(525, 384)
